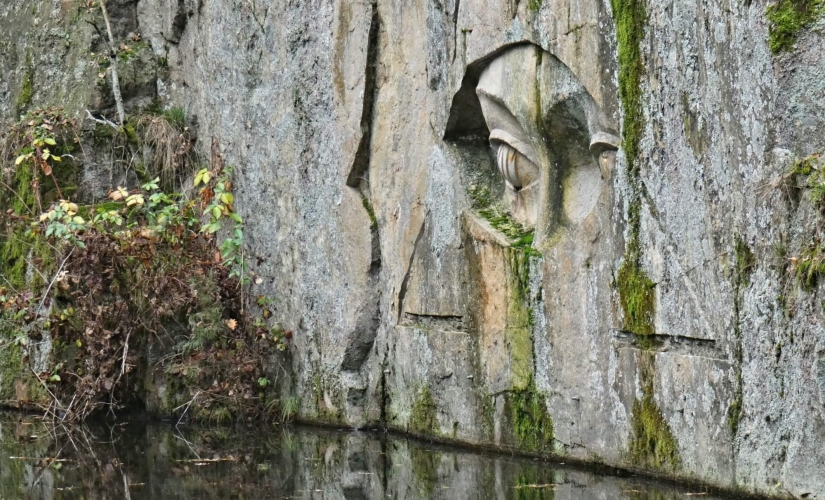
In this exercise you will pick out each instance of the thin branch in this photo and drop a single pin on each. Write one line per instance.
(101, 121)
(51, 283)
(121, 114)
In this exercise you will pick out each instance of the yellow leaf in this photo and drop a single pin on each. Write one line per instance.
(135, 199)
(44, 216)
(118, 194)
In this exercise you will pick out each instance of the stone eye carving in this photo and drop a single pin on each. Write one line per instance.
(549, 140)
(516, 167)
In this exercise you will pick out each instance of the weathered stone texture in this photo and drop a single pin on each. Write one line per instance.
(405, 304)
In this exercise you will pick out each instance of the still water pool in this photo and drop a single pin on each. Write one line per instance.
(135, 460)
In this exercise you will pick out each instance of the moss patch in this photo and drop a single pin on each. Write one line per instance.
(636, 290)
(534, 5)
(653, 445)
(501, 220)
(24, 98)
(370, 212)
(637, 298)
(518, 332)
(532, 425)
(630, 18)
(745, 261)
(423, 418)
(787, 18)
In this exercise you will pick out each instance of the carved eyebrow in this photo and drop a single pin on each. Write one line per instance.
(510, 131)
(496, 99)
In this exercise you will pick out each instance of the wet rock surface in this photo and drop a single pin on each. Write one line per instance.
(360, 154)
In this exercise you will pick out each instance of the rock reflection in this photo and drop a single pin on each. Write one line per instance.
(139, 460)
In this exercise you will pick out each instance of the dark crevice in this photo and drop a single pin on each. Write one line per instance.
(361, 340)
(359, 171)
(405, 283)
(455, 28)
(180, 21)
(434, 322)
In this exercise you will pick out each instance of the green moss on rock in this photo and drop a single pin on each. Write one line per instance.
(518, 332)
(637, 298)
(532, 425)
(630, 19)
(24, 98)
(653, 445)
(789, 17)
(423, 418)
(745, 261)
(637, 295)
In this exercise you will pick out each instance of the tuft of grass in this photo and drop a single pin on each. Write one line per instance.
(175, 117)
(789, 17)
(289, 409)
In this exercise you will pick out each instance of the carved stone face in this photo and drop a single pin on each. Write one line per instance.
(546, 136)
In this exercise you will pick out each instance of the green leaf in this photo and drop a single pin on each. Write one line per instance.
(227, 198)
(20, 159)
(217, 212)
(50, 141)
(202, 177)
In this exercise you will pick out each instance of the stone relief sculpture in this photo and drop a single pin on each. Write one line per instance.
(551, 143)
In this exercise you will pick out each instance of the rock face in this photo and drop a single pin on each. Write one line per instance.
(664, 313)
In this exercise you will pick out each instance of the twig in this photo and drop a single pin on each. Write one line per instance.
(125, 486)
(103, 121)
(113, 65)
(51, 283)
(56, 401)
(187, 407)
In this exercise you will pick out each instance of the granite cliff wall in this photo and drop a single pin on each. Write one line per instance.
(665, 314)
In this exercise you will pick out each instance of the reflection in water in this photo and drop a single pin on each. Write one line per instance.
(139, 460)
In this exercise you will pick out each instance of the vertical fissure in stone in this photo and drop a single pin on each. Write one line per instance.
(455, 28)
(362, 338)
(359, 173)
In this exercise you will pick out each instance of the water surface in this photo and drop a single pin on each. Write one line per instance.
(137, 460)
